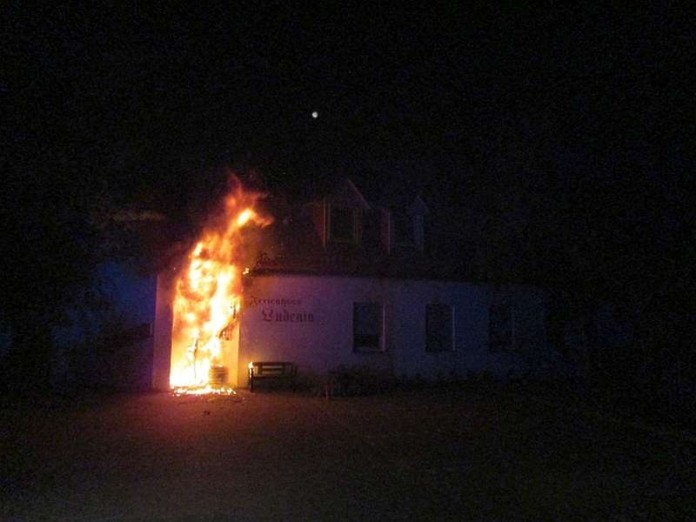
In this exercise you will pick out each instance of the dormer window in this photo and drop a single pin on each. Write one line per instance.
(404, 233)
(342, 224)
(406, 226)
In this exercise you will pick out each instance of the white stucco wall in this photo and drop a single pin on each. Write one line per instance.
(309, 320)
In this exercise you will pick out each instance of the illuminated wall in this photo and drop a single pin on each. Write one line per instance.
(310, 320)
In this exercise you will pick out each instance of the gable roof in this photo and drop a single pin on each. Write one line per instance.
(346, 193)
(294, 242)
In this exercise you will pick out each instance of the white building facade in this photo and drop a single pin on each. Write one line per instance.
(409, 328)
(345, 283)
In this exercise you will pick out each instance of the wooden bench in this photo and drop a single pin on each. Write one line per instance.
(272, 370)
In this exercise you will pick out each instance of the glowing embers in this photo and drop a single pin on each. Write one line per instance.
(207, 297)
(203, 390)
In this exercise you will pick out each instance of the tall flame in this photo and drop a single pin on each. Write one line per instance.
(209, 291)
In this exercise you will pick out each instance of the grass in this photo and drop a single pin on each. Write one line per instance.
(444, 453)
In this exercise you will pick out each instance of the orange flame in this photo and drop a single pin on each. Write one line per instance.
(209, 294)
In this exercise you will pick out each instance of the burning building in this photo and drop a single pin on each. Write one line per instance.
(334, 281)
(206, 297)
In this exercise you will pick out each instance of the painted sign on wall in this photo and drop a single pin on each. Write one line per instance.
(284, 309)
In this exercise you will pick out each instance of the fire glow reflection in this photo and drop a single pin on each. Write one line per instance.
(208, 297)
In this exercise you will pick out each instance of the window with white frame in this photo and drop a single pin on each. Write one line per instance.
(439, 328)
(501, 328)
(368, 327)
(342, 224)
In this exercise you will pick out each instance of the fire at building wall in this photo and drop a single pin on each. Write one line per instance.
(332, 308)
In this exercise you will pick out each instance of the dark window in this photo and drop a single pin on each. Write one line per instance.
(341, 224)
(439, 328)
(403, 228)
(501, 328)
(368, 327)
(372, 232)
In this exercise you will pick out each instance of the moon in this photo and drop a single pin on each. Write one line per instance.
(315, 115)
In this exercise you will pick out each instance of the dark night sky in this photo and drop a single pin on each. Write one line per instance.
(201, 83)
(576, 122)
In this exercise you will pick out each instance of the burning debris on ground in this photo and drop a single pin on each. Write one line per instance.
(205, 390)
